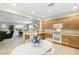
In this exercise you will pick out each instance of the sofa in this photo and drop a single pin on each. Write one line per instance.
(5, 35)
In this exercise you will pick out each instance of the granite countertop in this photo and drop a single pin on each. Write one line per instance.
(70, 34)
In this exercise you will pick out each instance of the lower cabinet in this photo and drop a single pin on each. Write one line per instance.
(27, 37)
(72, 41)
(45, 35)
(65, 40)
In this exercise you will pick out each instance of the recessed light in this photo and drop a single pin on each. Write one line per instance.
(14, 4)
(33, 12)
(75, 7)
(3, 25)
(43, 16)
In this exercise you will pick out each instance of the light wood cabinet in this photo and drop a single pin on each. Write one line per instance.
(77, 22)
(66, 23)
(55, 21)
(60, 21)
(48, 24)
(65, 39)
(73, 22)
(46, 35)
(74, 41)
(27, 37)
(69, 40)
(69, 22)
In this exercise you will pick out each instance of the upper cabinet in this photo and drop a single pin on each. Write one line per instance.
(47, 24)
(69, 22)
(77, 22)
(59, 21)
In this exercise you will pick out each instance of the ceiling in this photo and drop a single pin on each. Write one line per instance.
(35, 10)
(13, 18)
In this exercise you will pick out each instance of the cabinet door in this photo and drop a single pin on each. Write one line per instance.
(50, 24)
(59, 21)
(66, 23)
(55, 21)
(74, 41)
(44, 24)
(45, 35)
(47, 24)
(77, 41)
(73, 22)
(69, 22)
(27, 37)
(77, 22)
(65, 40)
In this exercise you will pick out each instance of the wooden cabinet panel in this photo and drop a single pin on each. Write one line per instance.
(74, 41)
(73, 22)
(69, 22)
(55, 21)
(59, 21)
(65, 40)
(66, 23)
(44, 24)
(46, 35)
(27, 37)
(77, 22)
(48, 24)
(77, 41)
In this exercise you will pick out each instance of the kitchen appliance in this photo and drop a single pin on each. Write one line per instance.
(57, 36)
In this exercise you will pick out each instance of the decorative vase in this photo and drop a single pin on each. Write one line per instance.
(36, 40)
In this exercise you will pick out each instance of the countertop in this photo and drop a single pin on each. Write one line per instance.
(70, 34)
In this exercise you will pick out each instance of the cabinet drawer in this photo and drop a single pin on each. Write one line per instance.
(65, 40)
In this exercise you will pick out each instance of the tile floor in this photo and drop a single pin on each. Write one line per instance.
(65, 50)
(8, 45)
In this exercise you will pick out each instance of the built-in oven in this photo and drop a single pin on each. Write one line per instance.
(57, 37)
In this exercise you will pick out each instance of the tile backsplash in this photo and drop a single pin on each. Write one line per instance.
(71, 31)
(65, 31)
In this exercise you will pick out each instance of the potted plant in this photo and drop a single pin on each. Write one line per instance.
(11, 28)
